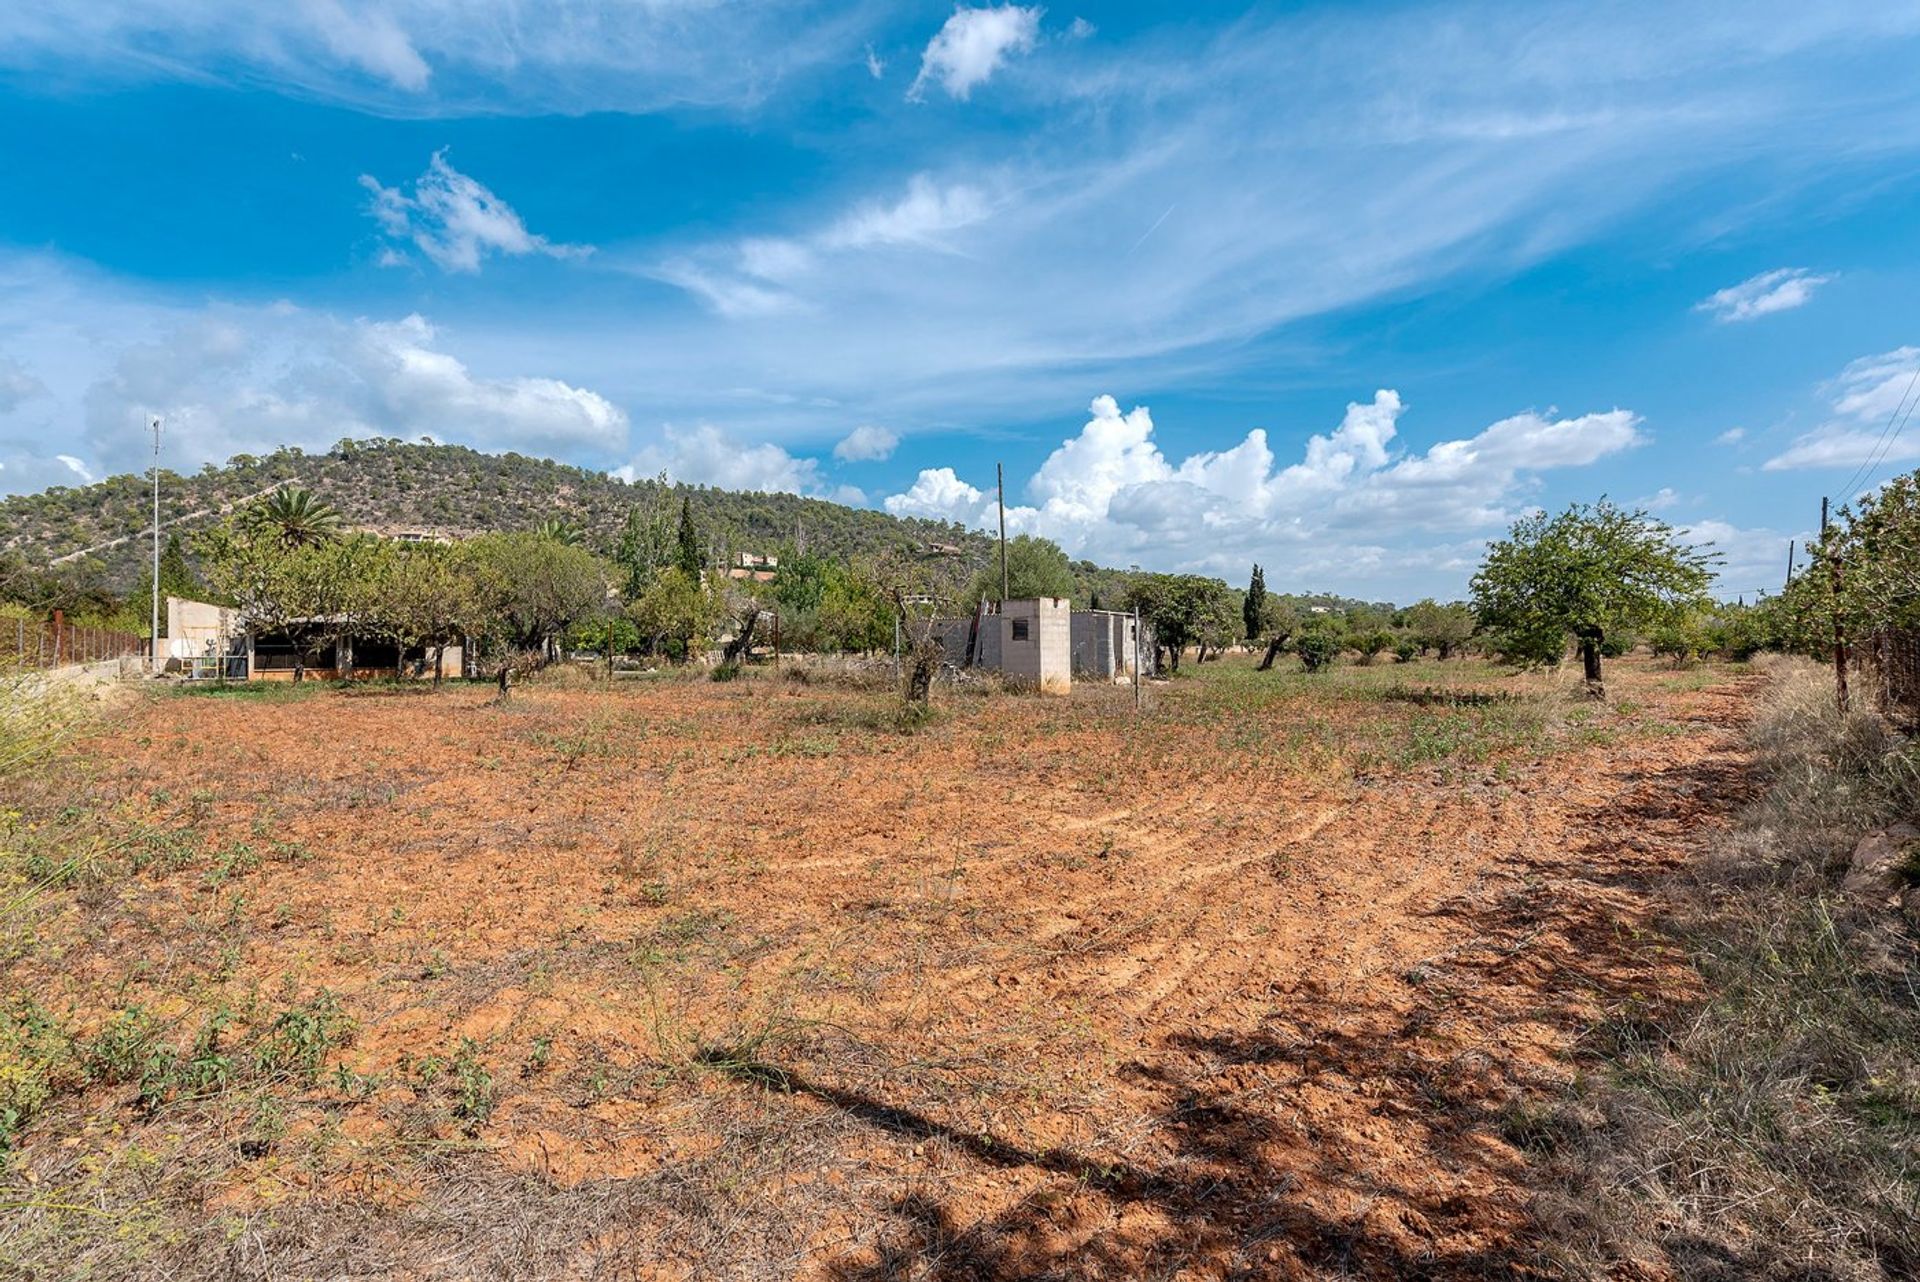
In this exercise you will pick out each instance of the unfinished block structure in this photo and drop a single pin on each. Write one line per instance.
(1043, 642)
(1103, 646)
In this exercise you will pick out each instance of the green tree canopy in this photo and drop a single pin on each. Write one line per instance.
(1035, 567)
(1590, 571)
(1182, 609)
(1443, 628)
(532, 589)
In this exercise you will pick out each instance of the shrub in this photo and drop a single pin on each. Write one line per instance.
(1316, 650)
(1406, 650)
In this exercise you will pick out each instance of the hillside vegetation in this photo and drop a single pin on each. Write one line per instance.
(390, 486)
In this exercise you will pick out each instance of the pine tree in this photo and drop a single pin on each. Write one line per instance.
(1256, 599)
(691, 560)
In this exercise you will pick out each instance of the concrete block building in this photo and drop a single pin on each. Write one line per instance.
(1044, 643)
(1103, 646)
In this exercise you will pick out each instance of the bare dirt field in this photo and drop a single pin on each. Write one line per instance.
(697, 980)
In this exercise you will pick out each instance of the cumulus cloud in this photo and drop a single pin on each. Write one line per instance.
(1111, 494)
(1872, 400)
(705, 455)
(939, 494)
(866, 444)
(455, 221)
(972, 45)
(1780, 290)
(245, 380)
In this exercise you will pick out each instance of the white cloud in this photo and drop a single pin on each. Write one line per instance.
(17, 385)
(1750, 561)
(972, 45)
(408, 380)
(1110, 494)
(939, 494)
(866, 444)
(761, 276)
(1780, 290)
(455, 221)
(233, 380)
(730, 296)
(924, 216)
(77, 467)
(876, 65)
(1873, 400)
(1663, 499)
(433, 58)
(707, 456)
(1732, 436)
(368, 40)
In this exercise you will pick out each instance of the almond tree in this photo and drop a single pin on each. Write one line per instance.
(1591, 571)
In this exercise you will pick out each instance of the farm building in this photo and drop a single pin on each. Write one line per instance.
(1042, 642)
(205, 640)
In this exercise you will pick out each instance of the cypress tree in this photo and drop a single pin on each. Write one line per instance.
(1256, 600)
(690, 559)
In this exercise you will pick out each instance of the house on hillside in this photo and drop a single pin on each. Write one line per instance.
(210, 641)
(761, 569)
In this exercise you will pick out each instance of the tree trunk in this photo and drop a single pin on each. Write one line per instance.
(742, 640)
(506, 681)
(1273, 652)
(1201, 657)
(1590, 660)
(439, 661)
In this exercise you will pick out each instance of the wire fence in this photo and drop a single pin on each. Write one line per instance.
(55, 644)
(1890, 661)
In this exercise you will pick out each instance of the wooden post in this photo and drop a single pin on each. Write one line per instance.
(1136, 658)
(1836, 581)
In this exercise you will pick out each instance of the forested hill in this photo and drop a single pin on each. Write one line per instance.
(393, 486)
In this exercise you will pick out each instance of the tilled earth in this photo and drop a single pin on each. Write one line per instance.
(694, 981)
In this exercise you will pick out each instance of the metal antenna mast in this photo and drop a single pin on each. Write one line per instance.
(153, 652)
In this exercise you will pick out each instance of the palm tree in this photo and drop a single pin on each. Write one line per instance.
(560, 530)
(296, 518)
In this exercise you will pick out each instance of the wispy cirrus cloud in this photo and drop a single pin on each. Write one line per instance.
(429, 58)
(455, 220)
(1780, 290)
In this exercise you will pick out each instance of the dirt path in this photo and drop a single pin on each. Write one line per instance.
(766, 993)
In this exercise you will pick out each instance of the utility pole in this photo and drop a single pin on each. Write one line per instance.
(1839, 628)
(153, 650)
(1136, 658)
(1000, 483)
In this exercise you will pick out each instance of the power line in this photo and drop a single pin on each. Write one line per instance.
(1886, 451)
(1884, 440)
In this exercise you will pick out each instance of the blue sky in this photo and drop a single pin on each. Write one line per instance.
(1341, 288)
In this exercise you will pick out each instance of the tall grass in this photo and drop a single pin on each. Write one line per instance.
(1772, 1130)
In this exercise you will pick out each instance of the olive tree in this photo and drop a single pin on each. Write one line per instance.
(1591, 571)
(1277, 622)
(1443, 628)
(1181, 609)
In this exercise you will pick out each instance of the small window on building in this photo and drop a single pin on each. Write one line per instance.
(1019, 629)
